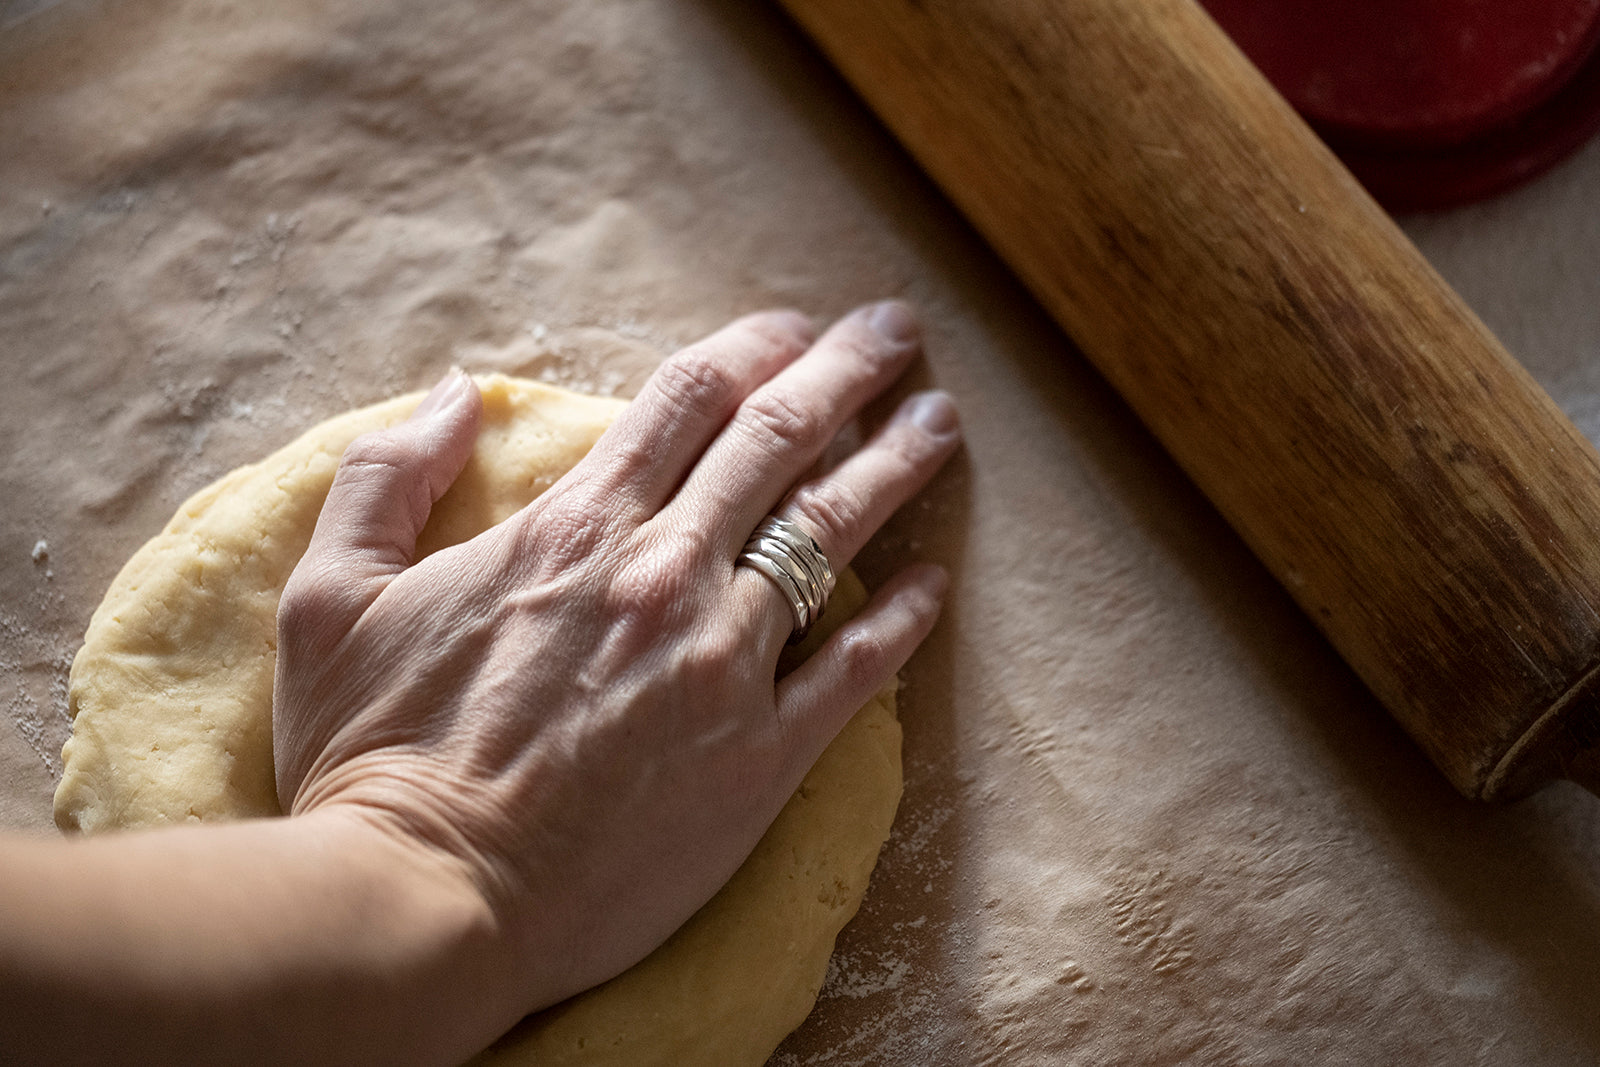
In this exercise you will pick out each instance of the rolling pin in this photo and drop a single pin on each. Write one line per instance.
(1417, 493)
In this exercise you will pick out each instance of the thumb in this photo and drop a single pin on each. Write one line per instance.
(382, 494)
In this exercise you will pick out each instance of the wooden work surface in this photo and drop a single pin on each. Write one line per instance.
(1149, 816)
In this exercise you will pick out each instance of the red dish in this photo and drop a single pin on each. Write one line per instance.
(1431, 103)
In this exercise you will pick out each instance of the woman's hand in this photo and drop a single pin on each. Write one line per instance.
(578, 709)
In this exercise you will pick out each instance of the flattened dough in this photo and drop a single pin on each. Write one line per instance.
(171, 698)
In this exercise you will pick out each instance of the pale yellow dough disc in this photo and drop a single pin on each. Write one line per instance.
(171, 698)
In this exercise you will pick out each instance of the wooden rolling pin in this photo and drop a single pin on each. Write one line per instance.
(1412, 487)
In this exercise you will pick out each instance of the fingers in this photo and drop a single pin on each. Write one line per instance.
(385, 488)
(783, 426)
(819, 696)
(844, 508)
(643, 457)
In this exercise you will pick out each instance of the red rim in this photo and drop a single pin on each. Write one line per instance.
(1432, 103)
(1434, 179)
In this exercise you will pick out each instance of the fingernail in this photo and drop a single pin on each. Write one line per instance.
(933, 412)
(894, 321)
(934, 581)
(451, 388)
(799, 324)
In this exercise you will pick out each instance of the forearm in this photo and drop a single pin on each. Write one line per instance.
(314, 939)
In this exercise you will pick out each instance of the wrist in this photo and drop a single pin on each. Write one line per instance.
(441, 823)
(435, 931)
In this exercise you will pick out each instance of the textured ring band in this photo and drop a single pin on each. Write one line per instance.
(808, 551)
(792, 593)
(795, 563)
(779, 552)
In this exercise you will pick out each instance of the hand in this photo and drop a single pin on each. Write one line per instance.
(579, 708)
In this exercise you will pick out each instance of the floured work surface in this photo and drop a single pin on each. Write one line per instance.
(1148, 815)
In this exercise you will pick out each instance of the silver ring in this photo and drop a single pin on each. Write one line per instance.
(793, 561)
(810, 553)
(792, 593)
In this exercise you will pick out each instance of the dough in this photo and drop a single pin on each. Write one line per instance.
(171, 699)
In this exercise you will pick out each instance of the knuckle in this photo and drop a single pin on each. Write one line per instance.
(697, 379)
(831, 507)
(562, 537)
(778, 419)
(380, 448)
(863, 654)
(658, 583)
(388, 464)
(901, 458)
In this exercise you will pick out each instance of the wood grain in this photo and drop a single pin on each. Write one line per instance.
(1418, 494)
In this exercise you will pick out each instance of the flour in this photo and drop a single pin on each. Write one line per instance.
(34, 664)
(863, 974)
